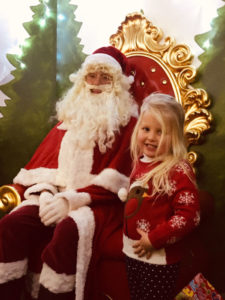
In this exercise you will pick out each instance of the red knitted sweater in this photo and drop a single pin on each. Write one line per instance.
(167, 219)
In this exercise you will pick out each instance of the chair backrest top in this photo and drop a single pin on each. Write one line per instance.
(159, 64)
(149, 77)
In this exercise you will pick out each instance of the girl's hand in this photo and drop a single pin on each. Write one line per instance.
(143, 247)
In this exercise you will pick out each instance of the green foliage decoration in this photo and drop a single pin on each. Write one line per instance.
(40, 78)
(69, 49)
(210, 172)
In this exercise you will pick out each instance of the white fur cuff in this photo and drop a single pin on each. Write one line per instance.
(75, 199)
(122, 194)
(12, 270)
(39, 187)
(56, 283)
(111, 180)
(33, 176)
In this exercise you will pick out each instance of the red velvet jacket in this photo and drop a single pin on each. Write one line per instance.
(109, 170)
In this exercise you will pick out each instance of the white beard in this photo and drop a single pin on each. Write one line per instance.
(92, 119)
(74, 163)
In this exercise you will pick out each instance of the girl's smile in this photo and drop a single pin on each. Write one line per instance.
(149, 136)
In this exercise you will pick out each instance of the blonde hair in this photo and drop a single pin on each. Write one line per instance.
(170, 115)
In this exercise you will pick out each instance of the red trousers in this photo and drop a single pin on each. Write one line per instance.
(25, 244)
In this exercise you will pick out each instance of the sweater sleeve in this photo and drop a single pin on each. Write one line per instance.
(185, 207)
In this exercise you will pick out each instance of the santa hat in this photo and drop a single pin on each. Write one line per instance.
(108, 56)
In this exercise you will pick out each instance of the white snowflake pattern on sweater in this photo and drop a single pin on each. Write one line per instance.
(186, 198)
(177, 222)
(183, 168)
(143, 225)
(179, 169)
(172, 187)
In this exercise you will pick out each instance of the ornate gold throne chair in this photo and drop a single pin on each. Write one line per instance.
(157, 64)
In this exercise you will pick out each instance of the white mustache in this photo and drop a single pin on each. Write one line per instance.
(103, 87)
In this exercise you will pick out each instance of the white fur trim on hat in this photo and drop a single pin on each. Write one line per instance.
(111, 180)
(130, 79)
(102, 58)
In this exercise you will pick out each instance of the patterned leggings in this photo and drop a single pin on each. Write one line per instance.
(151, 282)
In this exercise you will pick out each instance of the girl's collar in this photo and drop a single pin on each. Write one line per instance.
(146, 159)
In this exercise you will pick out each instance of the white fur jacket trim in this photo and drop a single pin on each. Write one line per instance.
(84, 218)
(33, 284)
(61, 283)
(122, 194)
(74, 199)
(12, 270)
(33, 176)
(34, 200)
(39, 187)
(54, 282)
(111, 180)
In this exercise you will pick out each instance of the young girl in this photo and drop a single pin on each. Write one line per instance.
(162, 204)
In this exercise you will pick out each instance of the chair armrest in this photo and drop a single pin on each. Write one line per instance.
(9, 198)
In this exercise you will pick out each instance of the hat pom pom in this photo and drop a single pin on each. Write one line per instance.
(122, 194)
(72, 77)
(131, 79)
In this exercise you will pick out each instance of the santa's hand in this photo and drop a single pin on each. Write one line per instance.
(143, 247)
(44, 199)
(54, 211)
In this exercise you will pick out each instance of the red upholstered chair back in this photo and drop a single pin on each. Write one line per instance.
(149, 77)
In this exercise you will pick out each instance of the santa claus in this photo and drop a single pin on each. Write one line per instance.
(52, 241)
